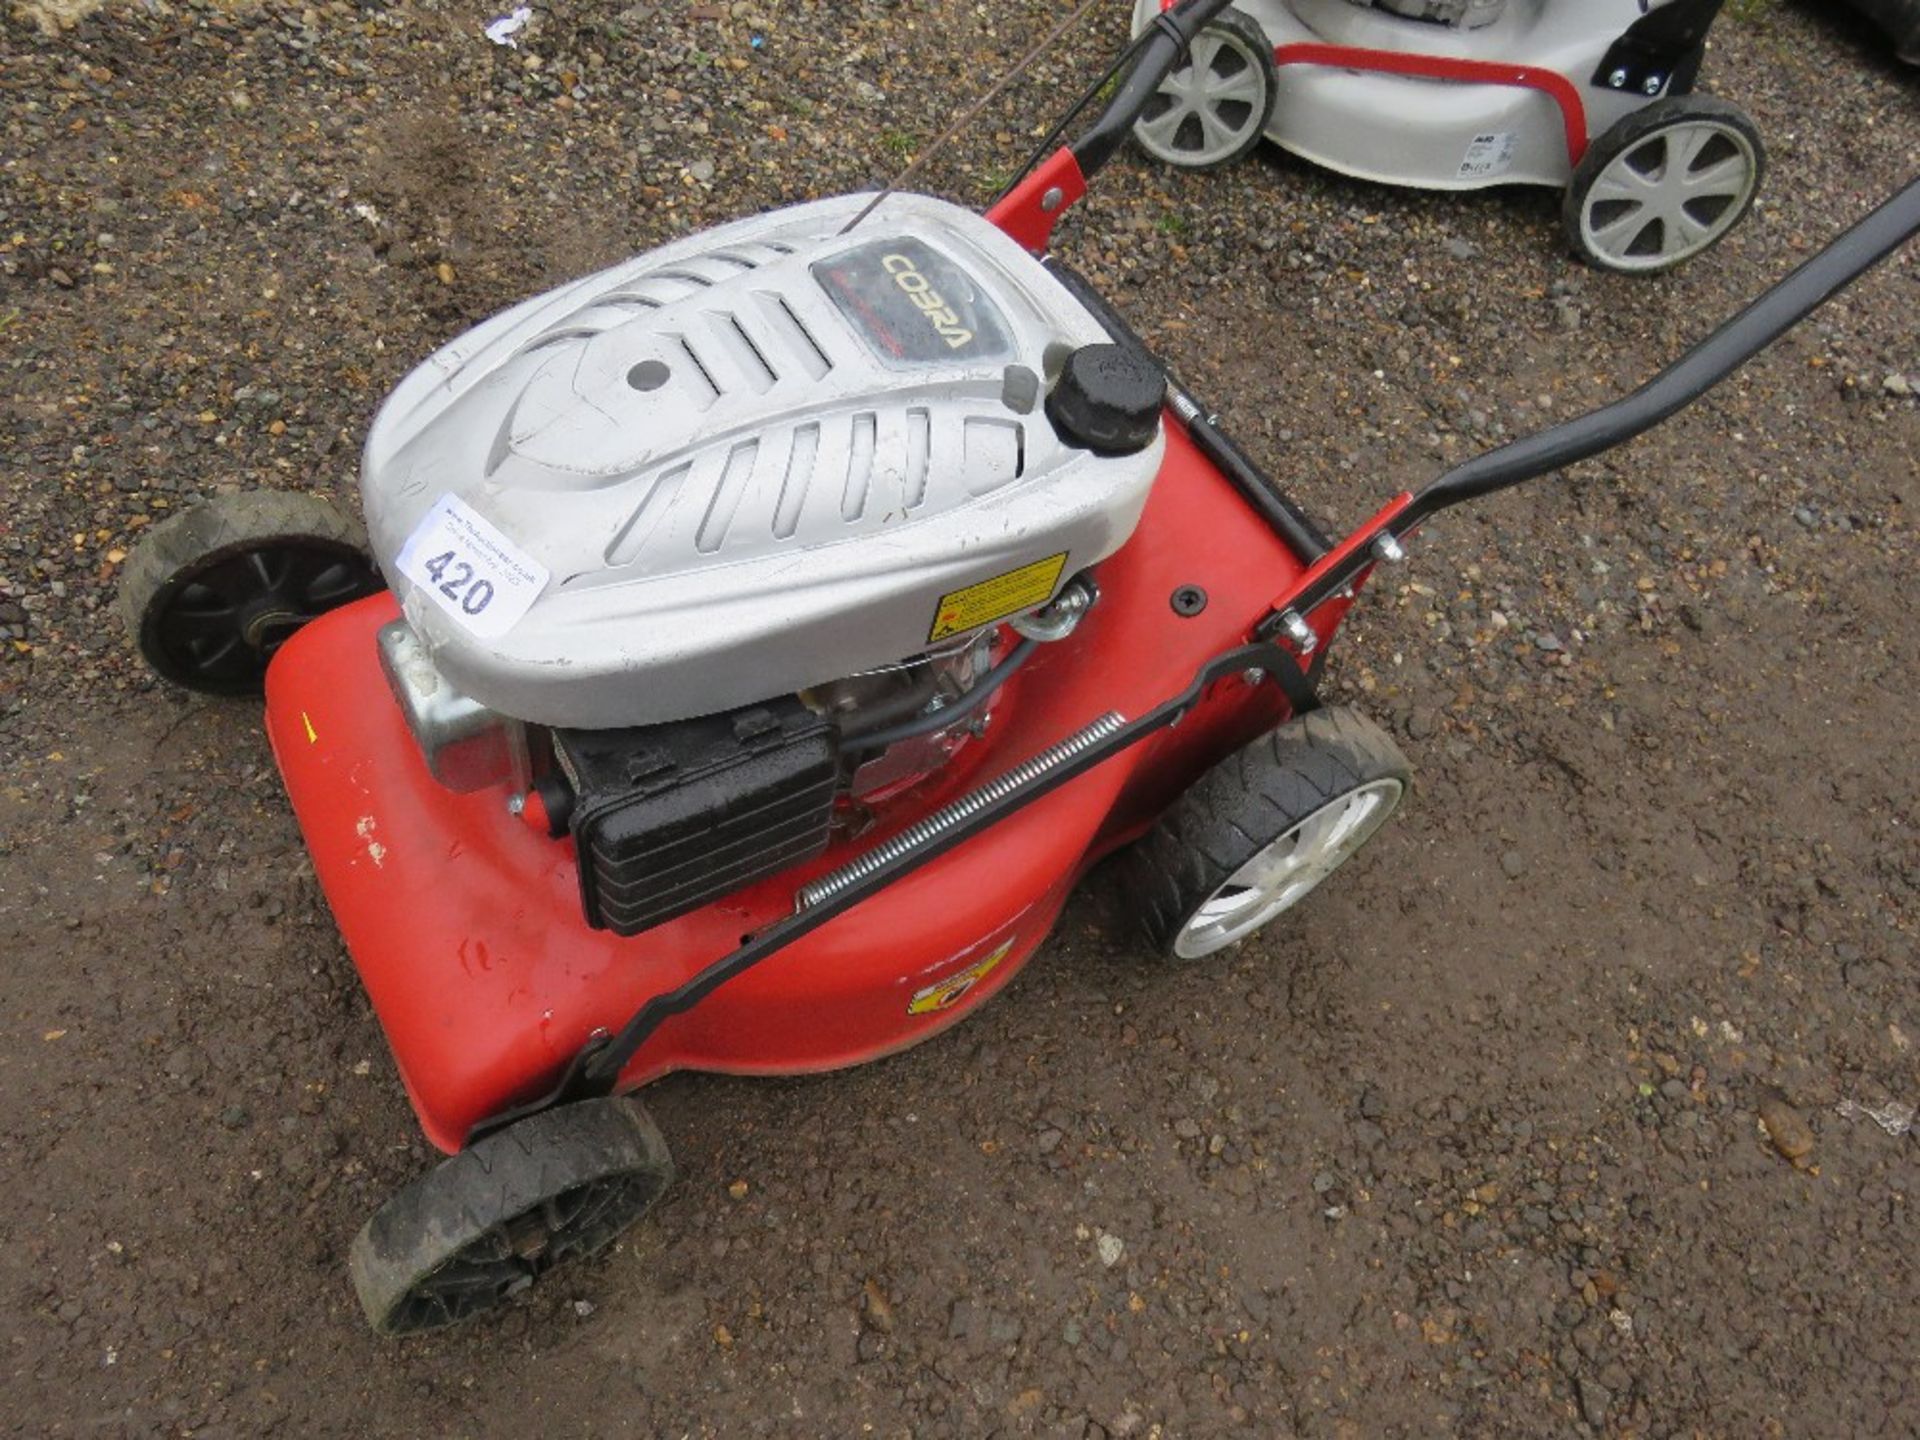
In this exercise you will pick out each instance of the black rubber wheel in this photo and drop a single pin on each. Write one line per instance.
(1664, 184)
(1214, 107)
(1261, 829)
(210, 594)
(483, 1225)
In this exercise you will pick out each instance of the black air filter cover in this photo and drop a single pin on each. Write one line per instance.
(669, 817)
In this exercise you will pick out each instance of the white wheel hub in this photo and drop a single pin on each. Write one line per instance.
(1669, 195)
(1286, 870)
(1207, 110)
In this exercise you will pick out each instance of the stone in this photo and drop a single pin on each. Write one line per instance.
(876, 1311)
(1594, 1400)
(1787, 1128)
(962, 1320)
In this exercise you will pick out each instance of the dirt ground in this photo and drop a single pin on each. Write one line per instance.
(1471, 1145)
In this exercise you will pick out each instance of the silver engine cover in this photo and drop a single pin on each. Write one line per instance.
(762, 458)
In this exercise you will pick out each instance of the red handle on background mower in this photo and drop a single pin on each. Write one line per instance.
(1028, 209)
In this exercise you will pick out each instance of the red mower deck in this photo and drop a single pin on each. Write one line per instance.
(465, 922)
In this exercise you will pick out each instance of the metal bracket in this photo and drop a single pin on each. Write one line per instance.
(577, 1082)
(1661, 51)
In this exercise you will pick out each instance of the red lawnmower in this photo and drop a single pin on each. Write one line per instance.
(774, 628)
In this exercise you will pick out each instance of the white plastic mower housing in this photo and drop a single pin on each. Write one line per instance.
(1427, 133)
(1594, 98)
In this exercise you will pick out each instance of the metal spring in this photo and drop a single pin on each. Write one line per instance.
(967, 806)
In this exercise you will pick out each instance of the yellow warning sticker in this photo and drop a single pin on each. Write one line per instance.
(995, 599)
(947, 993)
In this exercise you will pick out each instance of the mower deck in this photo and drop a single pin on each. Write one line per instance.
(465, 922)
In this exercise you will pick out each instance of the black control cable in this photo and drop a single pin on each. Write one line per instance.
(948, 715)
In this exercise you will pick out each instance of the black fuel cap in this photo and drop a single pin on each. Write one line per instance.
(1108, 399)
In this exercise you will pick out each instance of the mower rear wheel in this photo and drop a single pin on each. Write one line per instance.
(1215, 107)
(483, 1225)
(211, 593)
(1262, 828)
(1664, 184)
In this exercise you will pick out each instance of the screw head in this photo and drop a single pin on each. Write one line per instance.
(1618, 79)
(1188, 601)
(1053, 198)
(1651, 85)
(1302, 634)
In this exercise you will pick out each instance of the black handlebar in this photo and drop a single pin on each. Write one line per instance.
(1160, 49)
(1843, 260)
(1777, 311)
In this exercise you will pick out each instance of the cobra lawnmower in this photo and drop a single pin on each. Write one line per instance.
(775, 628)
(1593, 97)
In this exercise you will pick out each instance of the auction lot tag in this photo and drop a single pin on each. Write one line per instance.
(473, 572)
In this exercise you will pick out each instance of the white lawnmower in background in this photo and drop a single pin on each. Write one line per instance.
(1593, 97)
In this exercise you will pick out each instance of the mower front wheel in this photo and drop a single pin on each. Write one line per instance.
(483, 1225)
(1262, 828)
(210, 594)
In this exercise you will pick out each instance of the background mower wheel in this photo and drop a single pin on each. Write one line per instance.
(211, 593)
(1262, 828)
(1664, 184)
(483, 1225)
(1214, 108)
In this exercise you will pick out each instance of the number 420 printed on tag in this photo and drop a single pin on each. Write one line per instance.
(472, 571)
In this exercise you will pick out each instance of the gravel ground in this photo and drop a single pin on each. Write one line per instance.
(1535, 1123)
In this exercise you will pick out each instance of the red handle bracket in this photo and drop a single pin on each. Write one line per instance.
(1029, 211)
